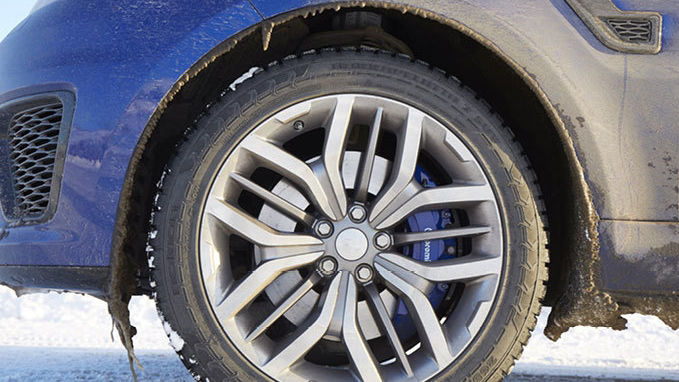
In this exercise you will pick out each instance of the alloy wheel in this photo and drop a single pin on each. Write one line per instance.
(351, 236)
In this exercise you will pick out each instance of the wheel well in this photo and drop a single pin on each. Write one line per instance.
(444, 45)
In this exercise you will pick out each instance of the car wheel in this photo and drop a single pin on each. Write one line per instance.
(349, 215)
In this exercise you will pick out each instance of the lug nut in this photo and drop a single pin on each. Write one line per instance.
(323, 228)
(382, 240)
(364, 273)
(298, 125)
(357, 213)
(327, 266)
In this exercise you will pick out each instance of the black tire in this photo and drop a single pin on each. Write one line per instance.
(180, 296)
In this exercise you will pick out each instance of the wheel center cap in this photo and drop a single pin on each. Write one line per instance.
(351, 244)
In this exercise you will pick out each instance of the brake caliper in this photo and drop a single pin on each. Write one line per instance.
(426, 251)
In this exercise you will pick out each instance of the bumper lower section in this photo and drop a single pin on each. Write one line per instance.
(639, 258)
(30, 278)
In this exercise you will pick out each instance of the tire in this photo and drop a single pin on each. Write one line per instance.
(189, 284)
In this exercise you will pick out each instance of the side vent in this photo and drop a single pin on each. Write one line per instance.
(632, 30)
(35, 131)
(625, 31)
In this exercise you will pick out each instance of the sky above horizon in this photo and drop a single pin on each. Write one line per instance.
(11, 14)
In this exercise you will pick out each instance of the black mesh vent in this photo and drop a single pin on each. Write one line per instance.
(33, 138)
(632, 30)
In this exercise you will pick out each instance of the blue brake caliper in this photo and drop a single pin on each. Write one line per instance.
(425, 251)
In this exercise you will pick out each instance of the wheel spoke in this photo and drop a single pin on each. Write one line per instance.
(367, 160)
(362, 358)
(279, 160)
(412, 237)
(299, 343)
(254, 283)
(404, 164)
(387, 327)
(285, 305)
(434, 198)
(423, 315)
(333, 151)
(274, 200)
(460, 269)
(255, 231)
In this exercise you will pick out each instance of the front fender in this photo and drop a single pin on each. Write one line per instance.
(119, 71)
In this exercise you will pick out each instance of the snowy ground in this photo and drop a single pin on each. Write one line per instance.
(66, 337)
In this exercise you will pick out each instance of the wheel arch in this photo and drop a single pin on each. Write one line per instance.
(528, 112)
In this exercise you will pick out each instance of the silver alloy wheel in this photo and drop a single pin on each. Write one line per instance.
(286, 246)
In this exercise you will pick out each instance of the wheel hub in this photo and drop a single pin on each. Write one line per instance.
(351, 244)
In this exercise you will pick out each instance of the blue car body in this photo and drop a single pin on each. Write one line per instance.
(123, 60)
(118, 72)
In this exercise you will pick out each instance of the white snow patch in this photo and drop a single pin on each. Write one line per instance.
(70, 320)
(244, 77)
(153, 234)
(603, 352)
(159, 184)
(176, 341)
(150, 259)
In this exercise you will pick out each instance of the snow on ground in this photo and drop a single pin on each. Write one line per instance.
(648, 349)
(67, 337)
(73, 321)
(57, 364)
